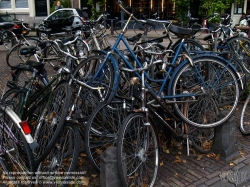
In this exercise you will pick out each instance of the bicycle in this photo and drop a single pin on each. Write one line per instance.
(244, 118)
(148, 24)
(207, 56)
(16, 144)
(138, 135)
(45, 106)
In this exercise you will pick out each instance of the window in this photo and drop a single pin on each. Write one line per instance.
(21, 3)
(238, 8)
(5, 4)
(61, 14)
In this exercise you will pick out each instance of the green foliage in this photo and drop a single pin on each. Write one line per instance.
(65, 4)
(96, 13)
(182, 7)
(207, 7)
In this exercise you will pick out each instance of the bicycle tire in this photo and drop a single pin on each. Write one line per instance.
(86, 72)
(202, 139)
(51, 120)
(108, 42)
(119, 26)
(15, 97)
(20, 159)
(197, 28)
(216, 90)
(14, 58)
(62, 158)
(9, 39)
(101, 130)
(133, 153)
(240, 47)
(82, 50)
(23, 76)
(159, 29)
(244, 118)
(138, 28)
(51, 53)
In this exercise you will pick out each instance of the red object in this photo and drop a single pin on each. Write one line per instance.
(25, 127)
(16, 26)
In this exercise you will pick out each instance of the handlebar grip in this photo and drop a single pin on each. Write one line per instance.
(120, 5)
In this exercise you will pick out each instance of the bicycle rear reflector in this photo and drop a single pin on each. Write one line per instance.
(25, 127)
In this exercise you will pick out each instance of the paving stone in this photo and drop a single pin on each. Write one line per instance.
(193, 178)
(211, 181)
(201, 181)
(203, 185)
(239, 160)
(247, 161)
(216, 173)
(194, 173)
(202, 171)
(177, 182)
(239, 166)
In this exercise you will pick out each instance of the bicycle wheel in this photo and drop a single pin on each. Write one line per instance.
(102, 128)
(240, 47)
(107, 41)
(9, 39)
(23, 77)
(202, 139)
(16, 158)
(211, 85)
(15, 97)
(51, 53)
(137, 151)
(197, 29)
(119, 25)
(51, 120)
(245, 118)
(138, 28)
(62, 159)
(14, 58)
(81, 49)
(87, 72)
(159, 29)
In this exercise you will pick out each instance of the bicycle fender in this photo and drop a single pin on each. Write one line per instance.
(32, 143)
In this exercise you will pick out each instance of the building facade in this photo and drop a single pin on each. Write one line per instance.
(32, 11)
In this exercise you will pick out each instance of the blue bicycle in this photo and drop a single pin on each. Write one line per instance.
(208, 79)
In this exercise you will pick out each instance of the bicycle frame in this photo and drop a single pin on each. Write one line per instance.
(115, 50)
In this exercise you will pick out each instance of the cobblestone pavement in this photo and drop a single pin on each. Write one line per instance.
(176, 168)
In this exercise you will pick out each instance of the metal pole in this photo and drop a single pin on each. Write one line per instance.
(122, 14)
(158, 7)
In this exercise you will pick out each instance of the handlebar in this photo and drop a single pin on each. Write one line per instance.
(25, 26)
(130, 14)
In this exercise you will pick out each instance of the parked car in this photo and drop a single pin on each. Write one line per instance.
(62, 18)
(7, 22)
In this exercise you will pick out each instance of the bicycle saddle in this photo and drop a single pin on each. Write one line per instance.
(180, 31)
(135, 38)
(29, 50)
